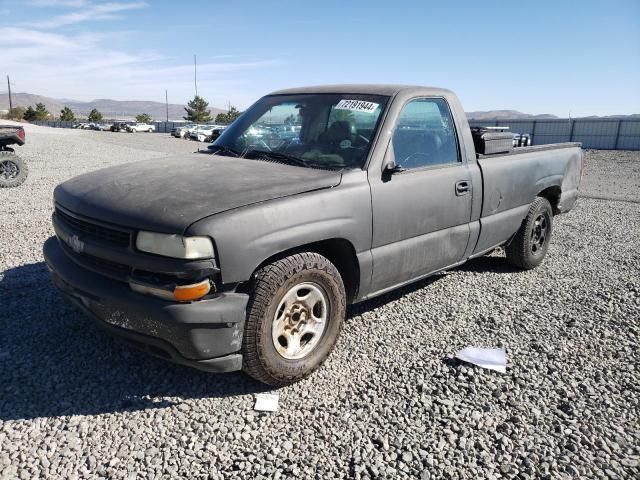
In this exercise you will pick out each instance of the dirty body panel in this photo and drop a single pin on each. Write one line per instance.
(402, 216)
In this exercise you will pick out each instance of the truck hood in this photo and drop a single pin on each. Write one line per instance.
(168, 195)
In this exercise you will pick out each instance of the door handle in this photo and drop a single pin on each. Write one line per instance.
(463, 187)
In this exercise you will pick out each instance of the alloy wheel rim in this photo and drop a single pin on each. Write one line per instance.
(539, 233)
(300, 320)
(8, 170)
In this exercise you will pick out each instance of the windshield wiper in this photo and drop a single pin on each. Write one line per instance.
(277, 156)
(223, 149)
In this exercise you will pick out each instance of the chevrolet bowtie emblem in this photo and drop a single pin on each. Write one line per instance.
(76, 244)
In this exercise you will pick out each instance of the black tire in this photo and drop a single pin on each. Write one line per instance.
(530, 244)
(261, 359)
(13, 170)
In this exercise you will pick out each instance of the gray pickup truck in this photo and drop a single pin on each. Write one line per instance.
(314, 199)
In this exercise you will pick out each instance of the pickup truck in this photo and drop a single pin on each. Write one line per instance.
(248, 256)
(13, 169)
(140, 127)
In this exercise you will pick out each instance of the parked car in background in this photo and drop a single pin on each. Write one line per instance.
(119, 127)
(141, 127)
(183, 131)
(204, 131)
(216, 132)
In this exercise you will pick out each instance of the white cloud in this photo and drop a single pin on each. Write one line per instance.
(57, 3)
(104, 11)
(86, 66)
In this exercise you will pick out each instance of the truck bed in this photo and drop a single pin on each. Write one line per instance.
(511, 181)
(533, 148)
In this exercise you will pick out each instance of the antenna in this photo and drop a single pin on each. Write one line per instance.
(195, 74)
(166, 102)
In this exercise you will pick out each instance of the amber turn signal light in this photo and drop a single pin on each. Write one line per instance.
(185, 293)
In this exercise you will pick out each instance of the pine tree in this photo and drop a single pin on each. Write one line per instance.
(41, 112)
(29, 114)
(197, 110)
(66, 115)
(228, 117)
(95, 116)
(143, 118)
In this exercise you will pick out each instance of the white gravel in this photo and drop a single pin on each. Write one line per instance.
(391, 402)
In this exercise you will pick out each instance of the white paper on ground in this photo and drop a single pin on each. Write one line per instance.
(266, 402)
(491, 358)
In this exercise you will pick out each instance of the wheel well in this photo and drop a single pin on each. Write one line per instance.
(339, 251)
(553, 195)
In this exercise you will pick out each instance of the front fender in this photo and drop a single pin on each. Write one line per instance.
(247, 236)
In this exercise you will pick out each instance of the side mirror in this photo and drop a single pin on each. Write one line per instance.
(391, 167)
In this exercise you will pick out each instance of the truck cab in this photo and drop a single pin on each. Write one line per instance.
(248, 257)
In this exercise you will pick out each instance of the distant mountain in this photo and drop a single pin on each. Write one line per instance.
(110, 109)
(633, 116)
(505, 114)
(515, 115)
(128, 109)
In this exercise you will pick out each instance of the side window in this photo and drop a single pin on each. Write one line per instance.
(425, 135)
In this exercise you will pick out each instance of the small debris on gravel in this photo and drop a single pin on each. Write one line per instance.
(266, 402)
(388, 403)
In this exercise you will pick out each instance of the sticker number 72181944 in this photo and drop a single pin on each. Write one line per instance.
(356, 106)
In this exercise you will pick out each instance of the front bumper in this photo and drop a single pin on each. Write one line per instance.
(206, 334)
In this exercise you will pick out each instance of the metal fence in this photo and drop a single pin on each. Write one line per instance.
(161, 127)
(602, 134)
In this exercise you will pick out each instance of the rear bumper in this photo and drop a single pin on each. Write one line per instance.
(206, 334)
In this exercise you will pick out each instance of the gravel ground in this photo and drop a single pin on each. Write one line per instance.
(389, 403)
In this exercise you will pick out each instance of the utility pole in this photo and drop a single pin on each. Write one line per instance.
(10, 101)
(195, 74)
(166, 102)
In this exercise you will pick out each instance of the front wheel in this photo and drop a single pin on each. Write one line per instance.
(294, 318)
(530, 244)
(13, 170)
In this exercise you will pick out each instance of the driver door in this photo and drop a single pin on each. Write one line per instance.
(421, 213)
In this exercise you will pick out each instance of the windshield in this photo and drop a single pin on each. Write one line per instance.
(311, 130)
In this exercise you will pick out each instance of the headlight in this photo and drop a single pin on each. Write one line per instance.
(175, 246)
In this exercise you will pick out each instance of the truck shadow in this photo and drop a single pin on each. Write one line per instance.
(488, 265)
(55, 362)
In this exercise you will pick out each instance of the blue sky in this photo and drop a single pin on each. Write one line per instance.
(560, 57)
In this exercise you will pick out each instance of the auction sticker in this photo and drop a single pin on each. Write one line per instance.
(356, 106)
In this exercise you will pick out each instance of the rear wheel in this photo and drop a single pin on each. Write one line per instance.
(13, 170)
(530, 244)
(294, 318)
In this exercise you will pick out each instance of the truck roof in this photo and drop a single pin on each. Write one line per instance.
(365, 89)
